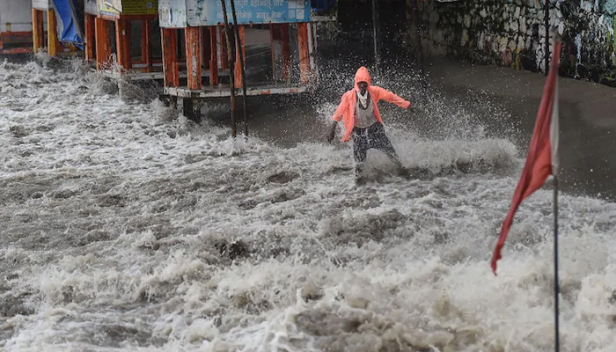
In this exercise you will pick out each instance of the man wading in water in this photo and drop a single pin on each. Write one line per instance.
(363, 122)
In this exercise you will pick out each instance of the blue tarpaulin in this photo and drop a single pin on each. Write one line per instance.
(68, 22)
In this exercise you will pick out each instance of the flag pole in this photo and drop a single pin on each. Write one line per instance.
(554, 130)
(556, 288)
(547, 36)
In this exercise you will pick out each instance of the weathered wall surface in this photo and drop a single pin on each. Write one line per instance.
(512, 33)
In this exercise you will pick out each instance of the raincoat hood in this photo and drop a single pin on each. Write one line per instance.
(362, 75)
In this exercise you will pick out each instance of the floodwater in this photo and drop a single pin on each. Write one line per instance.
(126, 227)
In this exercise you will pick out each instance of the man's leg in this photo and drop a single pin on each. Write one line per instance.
(379, 140)
(360, 150)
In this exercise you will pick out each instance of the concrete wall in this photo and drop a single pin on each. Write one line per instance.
(15, 15)
(512, 33)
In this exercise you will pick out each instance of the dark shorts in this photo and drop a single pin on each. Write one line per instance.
(371, 137)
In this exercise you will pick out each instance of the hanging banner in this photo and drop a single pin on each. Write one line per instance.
(41, 4)
(69, 26)
(209, 12)
(172, 13)
(91, 7)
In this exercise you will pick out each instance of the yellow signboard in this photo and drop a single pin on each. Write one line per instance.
(128, 7)
(140, 7)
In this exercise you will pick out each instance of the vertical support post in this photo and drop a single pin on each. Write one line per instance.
(304, 52)
(286, 50)
(240, 51)
(90, 36)
(122, 44)
(102, 43)
(556, 280)
(213, 56)
(52, 33)
(145, 45)
(275, 36)
(170, 60)
(37, 29)
(231, 72)
(311, 49)
(547, 36)
(224, 55)
(193, 57)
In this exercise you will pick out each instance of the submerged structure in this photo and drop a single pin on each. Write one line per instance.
(15, 27)
(57, 26)
(123, 37)
(206, 42)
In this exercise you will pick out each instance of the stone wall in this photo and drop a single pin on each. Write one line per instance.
(512, 33)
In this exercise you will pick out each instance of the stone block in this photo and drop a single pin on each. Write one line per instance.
(514, 26)
(467, 21)
(521, 42)
(465, 37)
(523, 27)
(503, 42)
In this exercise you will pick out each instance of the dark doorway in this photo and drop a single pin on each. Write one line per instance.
(356, 23)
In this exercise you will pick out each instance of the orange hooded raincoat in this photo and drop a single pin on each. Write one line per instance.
(346, 109)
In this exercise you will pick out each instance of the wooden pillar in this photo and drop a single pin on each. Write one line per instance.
(274, 37)
(304, 52)
(52, 33)
(238, 47)
(213, 56)
(193, 57)
(145, 45)
(122, 44)
(224, 56)
(90, 36)
(170, 59)
(37, 29)
(286, 50)
(102, 43)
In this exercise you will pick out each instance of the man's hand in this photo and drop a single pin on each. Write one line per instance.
(332, 132)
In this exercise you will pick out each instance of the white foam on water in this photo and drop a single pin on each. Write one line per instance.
(126, 227)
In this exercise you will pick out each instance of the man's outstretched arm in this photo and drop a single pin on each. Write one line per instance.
(391, 97)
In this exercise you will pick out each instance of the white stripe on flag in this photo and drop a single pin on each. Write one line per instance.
(554, 128)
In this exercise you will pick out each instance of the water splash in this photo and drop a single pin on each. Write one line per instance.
(129, 227)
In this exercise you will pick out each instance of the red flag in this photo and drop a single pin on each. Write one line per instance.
(542, 152)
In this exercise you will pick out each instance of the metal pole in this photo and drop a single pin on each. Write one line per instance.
(375, 26)
(230, 51)
(241, 52)
(555, 205)
(556, 289)
(547, 36)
